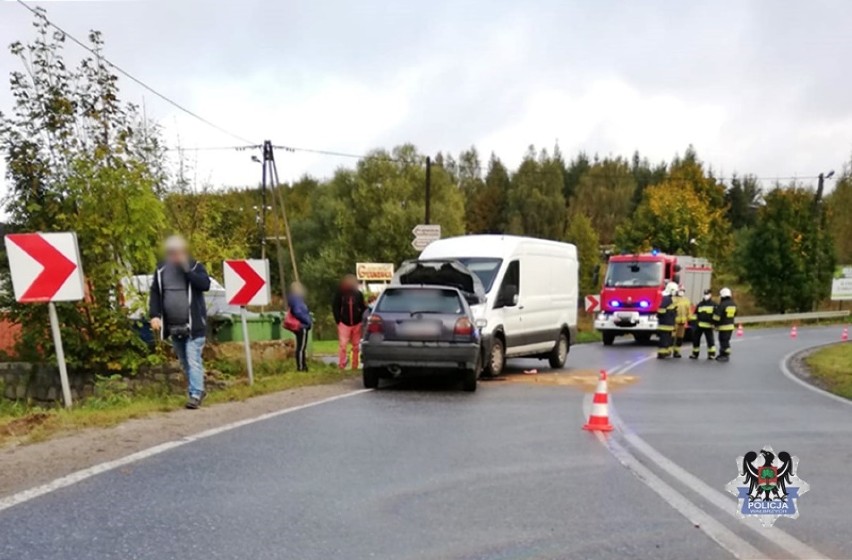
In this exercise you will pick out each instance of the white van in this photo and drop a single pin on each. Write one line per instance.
(531, 291)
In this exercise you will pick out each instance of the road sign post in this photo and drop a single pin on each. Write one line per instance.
(60, 354)
(247, 283)
(45, 268)
(247, 345)
(424, 234)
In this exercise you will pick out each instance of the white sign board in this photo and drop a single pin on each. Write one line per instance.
(374, 272)
(841, 286)
(420, 243)
(247, 282)
(45, 267)
(427, 231)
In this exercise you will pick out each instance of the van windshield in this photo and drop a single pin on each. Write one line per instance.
(485, 269)
(634, 274)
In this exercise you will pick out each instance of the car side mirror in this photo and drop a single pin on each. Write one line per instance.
(514, 300)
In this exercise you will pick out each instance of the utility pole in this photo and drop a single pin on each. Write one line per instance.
(428, 190)
(819, 220)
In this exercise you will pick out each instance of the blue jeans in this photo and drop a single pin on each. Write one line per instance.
(188, 351)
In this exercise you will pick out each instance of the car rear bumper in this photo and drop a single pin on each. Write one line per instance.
(433, 355)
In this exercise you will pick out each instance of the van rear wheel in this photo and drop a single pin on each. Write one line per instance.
(559, 354)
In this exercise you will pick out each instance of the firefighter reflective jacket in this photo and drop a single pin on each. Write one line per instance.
(666, 314)
(704, 312)
(725, 314)
(683, 307)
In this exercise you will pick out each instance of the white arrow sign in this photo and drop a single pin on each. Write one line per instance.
(427, 231)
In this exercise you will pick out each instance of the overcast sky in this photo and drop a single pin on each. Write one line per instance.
(758, 87)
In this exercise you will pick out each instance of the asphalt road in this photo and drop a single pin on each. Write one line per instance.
(424, 471)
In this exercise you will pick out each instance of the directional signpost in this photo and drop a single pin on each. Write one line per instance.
(424, 234)
(247, 283)
(46, 268)
(593, 303)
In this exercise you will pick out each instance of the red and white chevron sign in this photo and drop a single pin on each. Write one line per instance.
(45, 267)
(247, 282)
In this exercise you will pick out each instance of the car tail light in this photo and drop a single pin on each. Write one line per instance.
(375, 324)
(463, 327)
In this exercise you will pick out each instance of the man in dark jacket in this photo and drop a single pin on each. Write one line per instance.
(724, 317)
(348, 308)
(178, 311)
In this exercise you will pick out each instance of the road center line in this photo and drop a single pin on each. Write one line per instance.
(75, 477)
(782, 539)
(724, 537)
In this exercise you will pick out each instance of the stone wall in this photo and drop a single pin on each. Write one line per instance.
(40, 383)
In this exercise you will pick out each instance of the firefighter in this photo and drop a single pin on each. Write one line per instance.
(683, 308)
(723, 317)
(702, 325)
(666, 314)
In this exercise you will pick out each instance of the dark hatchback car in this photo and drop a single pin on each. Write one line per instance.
(421, 330)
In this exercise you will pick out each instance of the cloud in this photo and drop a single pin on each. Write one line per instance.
(754, 86)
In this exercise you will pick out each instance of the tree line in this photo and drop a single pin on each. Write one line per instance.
(80, 159)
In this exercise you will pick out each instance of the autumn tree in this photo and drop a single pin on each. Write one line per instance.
(839, 205)
(603, 194)
(486, 208)
(583, 235)
(790, 259)
(536, 205)
(81, 160)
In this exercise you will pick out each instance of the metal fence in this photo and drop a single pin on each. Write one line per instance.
(792, 317)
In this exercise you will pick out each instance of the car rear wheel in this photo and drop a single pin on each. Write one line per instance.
(559, 353)
(496, 358)
(371, 378)
(469, 377)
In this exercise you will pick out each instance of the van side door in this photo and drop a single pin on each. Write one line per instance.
(507, 308)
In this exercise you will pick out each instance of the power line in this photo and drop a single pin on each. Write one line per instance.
(39, 13)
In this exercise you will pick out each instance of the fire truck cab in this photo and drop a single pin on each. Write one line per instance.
(633, 287)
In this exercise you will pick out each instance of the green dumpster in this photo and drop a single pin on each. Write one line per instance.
(265, 326)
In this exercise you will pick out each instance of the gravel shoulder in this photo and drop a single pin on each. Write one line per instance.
(30, 465)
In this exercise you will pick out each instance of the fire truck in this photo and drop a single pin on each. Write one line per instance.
(633, 287)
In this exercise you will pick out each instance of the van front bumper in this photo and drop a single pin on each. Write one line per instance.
(625, 321)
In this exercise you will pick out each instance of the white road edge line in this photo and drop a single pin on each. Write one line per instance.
(75, 477)
(785, 369)
(724, 537)
(722, 501)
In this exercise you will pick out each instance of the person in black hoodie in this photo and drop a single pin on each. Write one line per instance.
(348, 308)
(178, 311)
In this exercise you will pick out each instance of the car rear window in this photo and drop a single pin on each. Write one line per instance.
(420, 300)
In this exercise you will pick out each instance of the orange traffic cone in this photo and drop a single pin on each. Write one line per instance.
(740, 330)
(793, 332)
(599, 417)
(845, 336)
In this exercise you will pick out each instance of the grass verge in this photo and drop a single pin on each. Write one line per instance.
(113, 403)
(831, 367)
